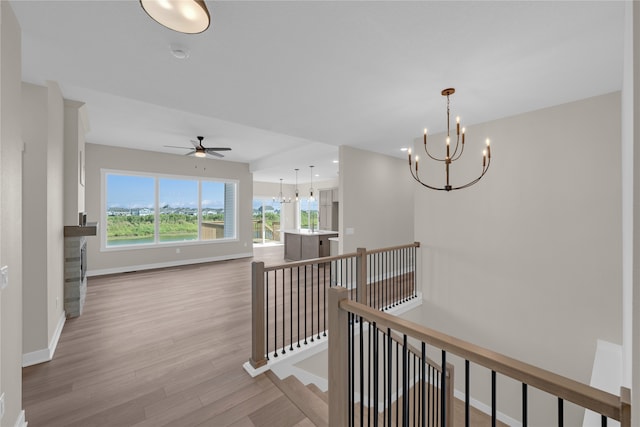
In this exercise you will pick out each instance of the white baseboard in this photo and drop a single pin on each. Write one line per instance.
(46, 354)
(176, 263)
(21, 421)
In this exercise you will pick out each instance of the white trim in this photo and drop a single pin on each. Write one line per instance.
(46, 354)
(487, 409)
(177, 263)
(21, 421)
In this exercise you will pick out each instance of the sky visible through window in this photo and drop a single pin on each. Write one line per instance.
(135, 192)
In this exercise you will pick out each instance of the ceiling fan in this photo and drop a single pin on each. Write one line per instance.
(199, 150)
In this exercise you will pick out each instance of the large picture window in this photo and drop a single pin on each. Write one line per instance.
(155, 210)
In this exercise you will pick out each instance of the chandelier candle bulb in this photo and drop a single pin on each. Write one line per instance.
(425, 136)
(458, 125)
(488, 148)
(463, 129)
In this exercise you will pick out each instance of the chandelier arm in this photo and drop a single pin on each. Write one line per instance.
(415, 176)
(453, 157)
(433, 158)
(475, 180)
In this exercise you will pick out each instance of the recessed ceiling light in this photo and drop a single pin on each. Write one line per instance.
(179, 52)
(336, 161)
(404, 149)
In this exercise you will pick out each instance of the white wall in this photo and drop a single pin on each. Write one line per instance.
(10, 215)
(76, 125)
(42, 207)
(376, 201)
(528, 261)
(104, 157)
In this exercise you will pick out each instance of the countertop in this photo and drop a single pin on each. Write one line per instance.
(305, 232)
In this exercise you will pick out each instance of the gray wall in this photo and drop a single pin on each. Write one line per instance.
(528, 261)
(103, 157)
(376, 200)
(10, 215)
(42, 206)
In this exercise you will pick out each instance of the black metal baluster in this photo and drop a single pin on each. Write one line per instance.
(389, 374)
(324, 298)
(493, 398)
(430, 394)
(443, 390)
(298, 284)
(291, 309)
(397, 381)
(560, 412)
(305, 305)
(275, 314)
(467, 392)
(361, 372)
(415, 389)
(284, 318)
(405, 382)
(376, 395)
(318, 277)
(350, 369)
(422, 384)
(266, 299)
(604, 421)
(525, 412)
(369, 379)
(415, 291)
(311, 293)
(384, 379)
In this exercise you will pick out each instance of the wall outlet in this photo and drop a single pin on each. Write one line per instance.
(4, 277)
(177, 250)
(1, 406)
(57, 302)
(350, 230)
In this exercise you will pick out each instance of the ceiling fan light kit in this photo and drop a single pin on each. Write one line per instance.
(184, 16)
(200, 150)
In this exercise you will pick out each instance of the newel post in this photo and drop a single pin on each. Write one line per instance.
(258, 347)
(338, 357)
(361, 276)
(625, 407)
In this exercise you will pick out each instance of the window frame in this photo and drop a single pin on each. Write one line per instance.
(157, 243)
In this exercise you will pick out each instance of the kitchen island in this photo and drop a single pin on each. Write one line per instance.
(305, 244)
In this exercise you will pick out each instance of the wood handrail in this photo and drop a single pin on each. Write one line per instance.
(324, 260)
(581, 394)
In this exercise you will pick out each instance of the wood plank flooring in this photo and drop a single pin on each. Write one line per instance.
(160, 348)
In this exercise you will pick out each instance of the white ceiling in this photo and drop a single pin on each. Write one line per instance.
(285, 83)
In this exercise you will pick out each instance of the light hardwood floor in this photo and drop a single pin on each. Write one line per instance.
(161, 347)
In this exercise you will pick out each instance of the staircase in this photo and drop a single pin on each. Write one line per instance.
(310, 400)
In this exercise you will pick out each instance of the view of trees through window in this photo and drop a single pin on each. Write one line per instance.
(266, 220)
(187, 210)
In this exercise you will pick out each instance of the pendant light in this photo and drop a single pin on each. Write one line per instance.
(184, 16)
(311, 198)
(297, 184)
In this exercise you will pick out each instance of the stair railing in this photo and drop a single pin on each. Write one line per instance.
(289, 300)
(346, 368)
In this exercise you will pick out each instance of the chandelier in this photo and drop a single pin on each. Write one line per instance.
(450, 158)
(281, 197)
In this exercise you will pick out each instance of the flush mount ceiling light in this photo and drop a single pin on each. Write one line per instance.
(184, 16)
(450, 158)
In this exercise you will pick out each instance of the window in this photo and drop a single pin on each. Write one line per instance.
(266, 220)
(309, 214)
(154, 210)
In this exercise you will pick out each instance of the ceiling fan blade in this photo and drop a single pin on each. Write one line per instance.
(213, 153)
(175, 146)
(209, 149)
(196, 144)
(190, 153)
